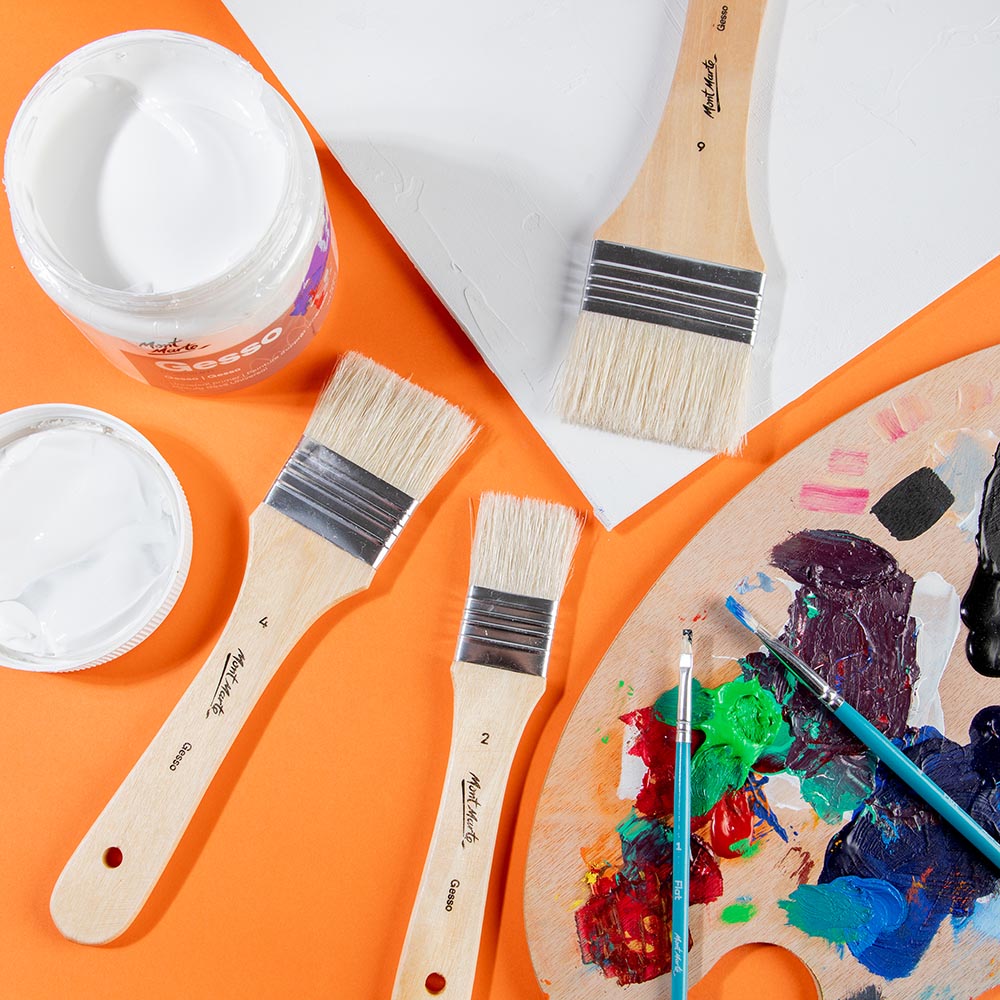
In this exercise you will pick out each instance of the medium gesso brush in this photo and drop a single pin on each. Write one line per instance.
(521, 556)
(671, 299)
(374, 446)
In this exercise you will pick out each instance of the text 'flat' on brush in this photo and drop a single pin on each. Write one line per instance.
(672, 294)
(374, 446)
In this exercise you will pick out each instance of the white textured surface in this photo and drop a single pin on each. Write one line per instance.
(492, 139)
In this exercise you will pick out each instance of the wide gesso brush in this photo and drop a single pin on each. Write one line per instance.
(374, 446)
(521, 556)
(671, 299)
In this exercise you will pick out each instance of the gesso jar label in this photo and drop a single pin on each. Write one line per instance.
(183, 366)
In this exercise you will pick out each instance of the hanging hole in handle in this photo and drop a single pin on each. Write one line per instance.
(435, 984)
(113, 857)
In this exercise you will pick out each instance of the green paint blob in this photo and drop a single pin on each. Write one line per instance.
(745, 717)
(715, 770)
(746, 848)
(738, 913)
(809, 600)
(665, 707)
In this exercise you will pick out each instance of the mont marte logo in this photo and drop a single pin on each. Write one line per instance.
(712, 106)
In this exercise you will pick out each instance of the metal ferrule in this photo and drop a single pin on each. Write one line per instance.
(507, 631)
(668, 290)
(341, 501)
(684, 701)
(812, 680)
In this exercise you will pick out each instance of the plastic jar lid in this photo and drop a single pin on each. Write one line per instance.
(95, 537)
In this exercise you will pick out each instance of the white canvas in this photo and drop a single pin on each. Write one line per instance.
(492, 139)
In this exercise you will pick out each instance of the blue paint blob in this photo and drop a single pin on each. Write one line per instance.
(896, 838)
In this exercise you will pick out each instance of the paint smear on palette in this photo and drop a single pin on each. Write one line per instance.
(901, 417)
(895, 872)
(847, 463)
(973, 396)
(832, 499)
(981, 603)
(850, 618)
(914, 505)
(762, 582)
(936, 609)
(868, 993)
(624, 928)
(965, 462)
(740, 912)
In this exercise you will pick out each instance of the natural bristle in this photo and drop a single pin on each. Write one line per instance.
(522, 546)
(656, 382)
(401, 433)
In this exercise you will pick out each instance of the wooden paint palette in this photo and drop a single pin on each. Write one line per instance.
(918, 456)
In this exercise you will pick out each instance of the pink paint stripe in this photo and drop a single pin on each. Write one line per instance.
(833, 499)
(887, 424)
(847, 463)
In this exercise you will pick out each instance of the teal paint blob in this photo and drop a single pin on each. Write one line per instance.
(849, 911)
(838, 787)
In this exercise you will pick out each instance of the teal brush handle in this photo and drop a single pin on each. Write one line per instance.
(907, 771)
(681, 871)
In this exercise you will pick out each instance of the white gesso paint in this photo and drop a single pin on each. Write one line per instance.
(95, 537)
(170, 201)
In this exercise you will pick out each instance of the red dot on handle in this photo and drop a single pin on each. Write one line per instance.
(113, 857)
(435, 983)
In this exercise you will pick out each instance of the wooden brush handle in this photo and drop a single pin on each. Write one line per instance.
(690, 195)
(292, 576)
(439, 955)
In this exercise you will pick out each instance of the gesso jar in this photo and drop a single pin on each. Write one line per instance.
(170, 202)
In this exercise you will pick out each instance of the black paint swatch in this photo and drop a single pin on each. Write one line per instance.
(914, 504)
(981, 604)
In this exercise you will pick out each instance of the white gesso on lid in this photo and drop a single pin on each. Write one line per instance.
(95, 537)
(170, 202)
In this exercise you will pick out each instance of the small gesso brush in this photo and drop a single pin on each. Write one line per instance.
(374, 446)
(521, 555)
(671, 299)
(681, 877)
(877, 742)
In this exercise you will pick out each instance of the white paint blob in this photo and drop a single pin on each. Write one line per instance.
(937, 609)
(94, 541)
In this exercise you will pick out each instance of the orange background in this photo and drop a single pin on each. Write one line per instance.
(297, 874)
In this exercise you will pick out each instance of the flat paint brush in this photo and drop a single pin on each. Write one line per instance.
(883, 748)
(374, 446)
(681, 876)
(521, 556)
(672, 293)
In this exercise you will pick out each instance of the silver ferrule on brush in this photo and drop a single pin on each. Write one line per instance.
(812, 680)
(684, 690)
(341, 501)
(669, 290)
(506, 630)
